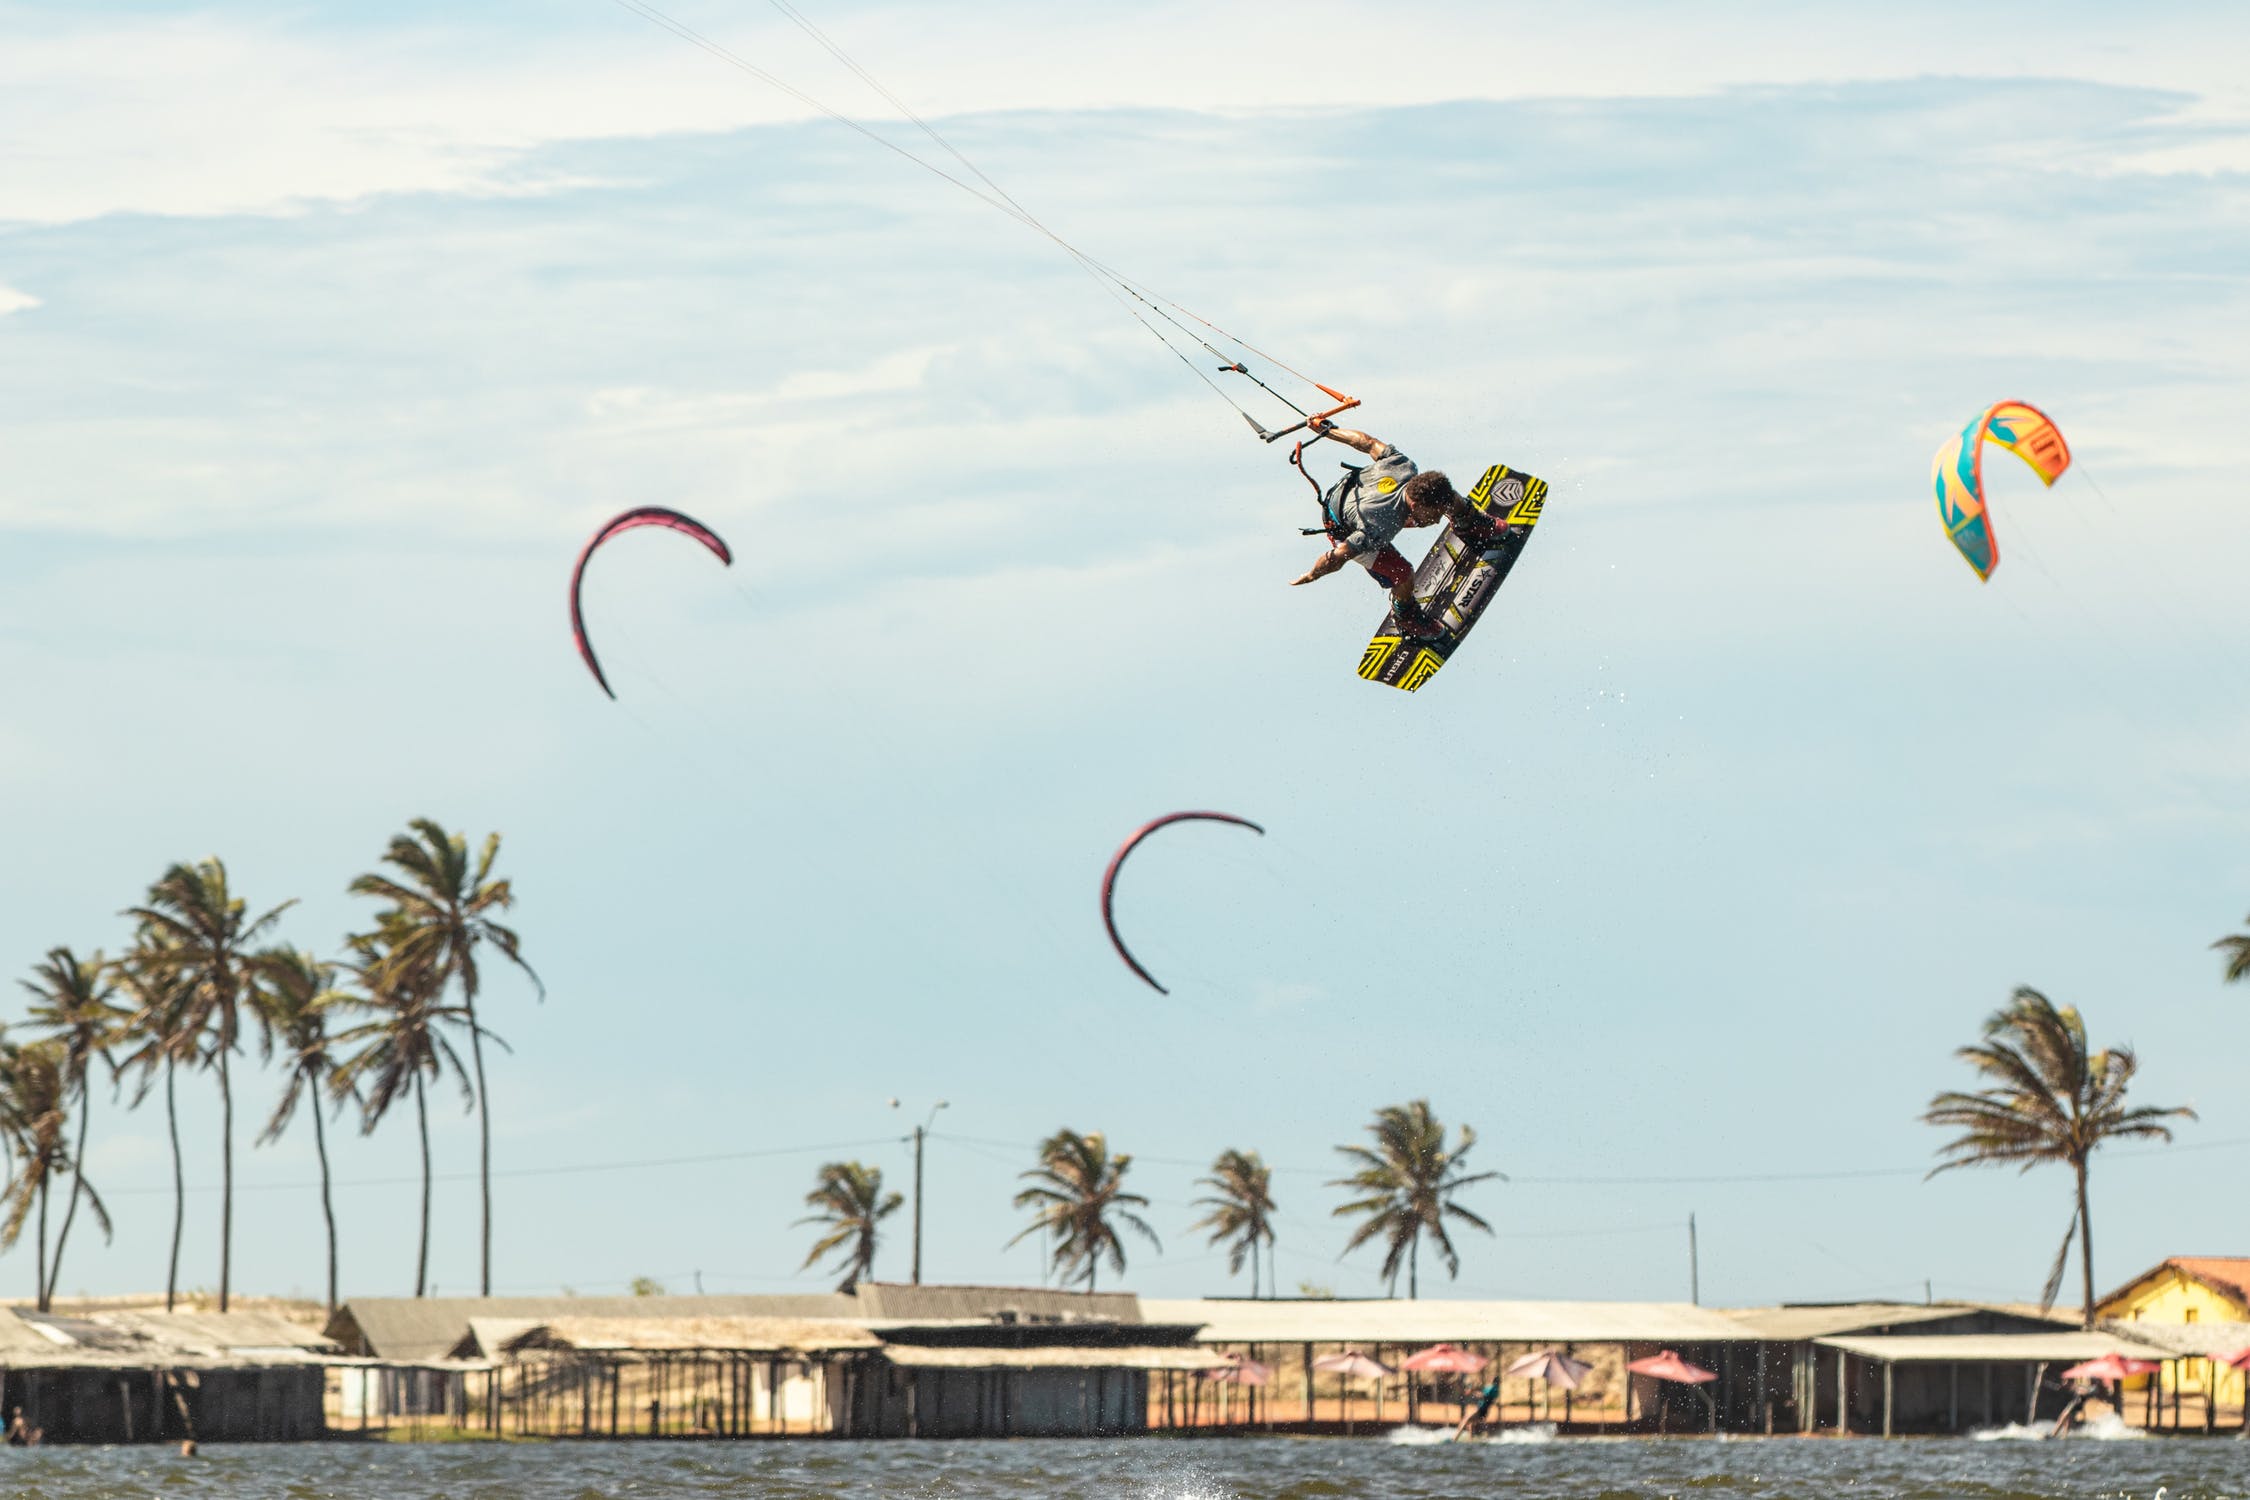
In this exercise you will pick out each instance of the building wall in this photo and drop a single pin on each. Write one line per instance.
(883, 1400)
(2172, 1296)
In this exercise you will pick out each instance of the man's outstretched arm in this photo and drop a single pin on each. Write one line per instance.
(1373, 447)
(1335, 557)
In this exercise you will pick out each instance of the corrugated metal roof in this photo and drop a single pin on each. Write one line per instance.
(1788, 1324)
(921, 1304)
(147, 1340)
(1419, 1322)
(427, 1328)
(920, 1357)
(2063, 1346)
(501, 1336)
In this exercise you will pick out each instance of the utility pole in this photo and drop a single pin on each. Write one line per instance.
(1694, 1267)
(921, 1134)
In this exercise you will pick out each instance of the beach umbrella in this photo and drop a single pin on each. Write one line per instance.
(1352, 1365)
(2110, 1367)
(1669, 1366)
(1552, 1366)
(1444, 1359)
(2239, 1360)
(1240, 1370)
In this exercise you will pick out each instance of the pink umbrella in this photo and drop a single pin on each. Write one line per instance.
(1352, 1365)
(1552, 1366)
(1444, 1359)
(1241, 1370)
(2239, 1360)
(1669, 1366)
(2110, 1367)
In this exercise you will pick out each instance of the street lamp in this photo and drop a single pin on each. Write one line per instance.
(920, 1132)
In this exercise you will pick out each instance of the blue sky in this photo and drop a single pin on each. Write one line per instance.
(327, 341)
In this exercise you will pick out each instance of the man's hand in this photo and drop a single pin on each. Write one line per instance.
(1334, 558)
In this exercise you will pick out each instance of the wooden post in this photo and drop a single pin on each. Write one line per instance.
(1843, 1393)
(1988, 1406)
(1888, 1367)
(1953, 1397)
(1765, 1402)
(1312, 1415)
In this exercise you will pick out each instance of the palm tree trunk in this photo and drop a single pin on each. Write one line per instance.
(1414, 1266)
(484, 1154)
(226, 1180)
(179, 1191)
(42, 1269)
(422, 1261)
(327, 1208)
(2085, 1250)
(77, 1177)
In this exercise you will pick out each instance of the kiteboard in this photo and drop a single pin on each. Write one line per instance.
(1454, 583)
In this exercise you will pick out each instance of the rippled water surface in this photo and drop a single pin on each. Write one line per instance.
(1153, 1469)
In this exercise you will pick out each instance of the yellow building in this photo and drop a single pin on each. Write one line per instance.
(2199, 1305)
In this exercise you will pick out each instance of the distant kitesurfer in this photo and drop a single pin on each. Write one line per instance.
(1371, 504)
(1486, 1400)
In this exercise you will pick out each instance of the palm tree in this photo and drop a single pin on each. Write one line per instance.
(401, 1046)
(73, 999)
(291, 1008)
(446, 905)
(208, 939)
(2049, 1100)
(1076, 1190)
(1241, 1205)
(851, 1205)
(35, 1119)
(1406, 1185)
(159, 997)
(2236, 946)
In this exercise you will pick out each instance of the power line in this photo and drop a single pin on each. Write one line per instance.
(566, 1170)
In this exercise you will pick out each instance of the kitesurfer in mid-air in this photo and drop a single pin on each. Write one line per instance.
(1371, 504)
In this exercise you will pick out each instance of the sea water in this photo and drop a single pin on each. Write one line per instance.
(1155, 1469)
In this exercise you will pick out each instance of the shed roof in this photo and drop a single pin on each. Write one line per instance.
(142, 1340)
(428, 1328)
(2067, 1346)
(1792, 1322)
(1060, 1357)
(1029, 1304)
(494, 1337)
(1390, 1321)
(2185, 1338)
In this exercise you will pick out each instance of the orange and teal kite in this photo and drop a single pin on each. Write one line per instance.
(1957, 473)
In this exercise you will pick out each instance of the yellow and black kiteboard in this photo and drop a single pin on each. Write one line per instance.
(1454, 584)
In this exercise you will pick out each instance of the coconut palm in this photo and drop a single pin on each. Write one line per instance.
(850, 1204)
(35, 1122)
(2050, 1099)
(1077, 1189)
(2236, 946)
(1406, 1184)
(445, 905)
(74, 1002)
(208, 938)
(401, 1046)
(161, 1040)
(291, 1008)
(1241, 1204)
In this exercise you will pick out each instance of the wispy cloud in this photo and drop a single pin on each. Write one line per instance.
(13, 301)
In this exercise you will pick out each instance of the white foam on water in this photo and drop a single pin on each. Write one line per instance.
(1532, 1432)
(2106, 1427)
(1418, 1437)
